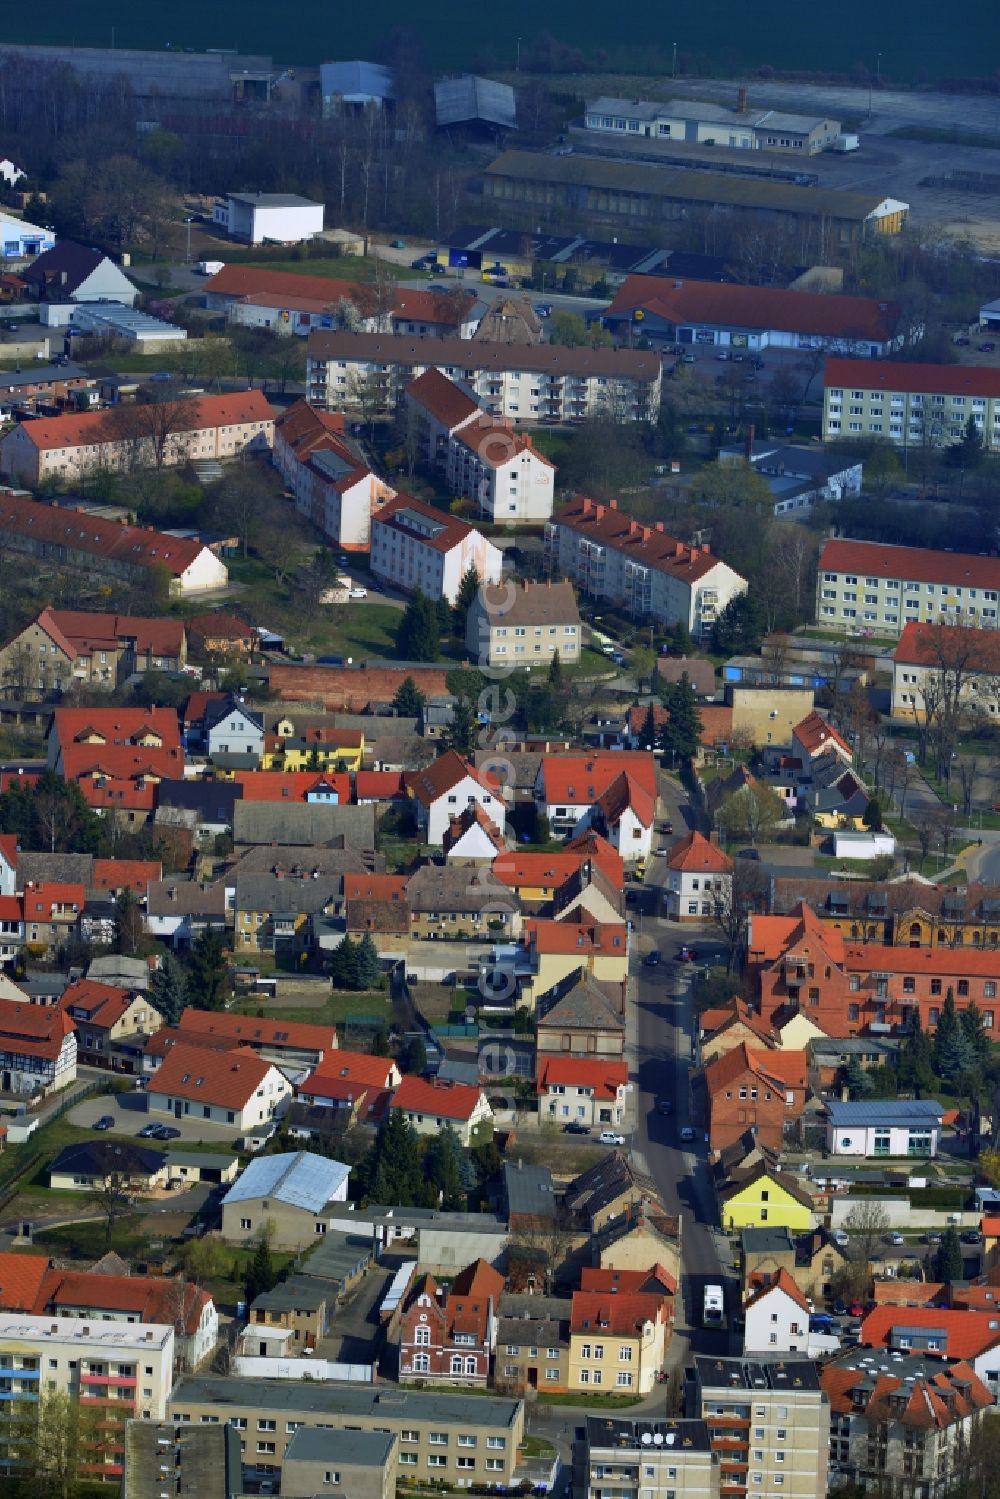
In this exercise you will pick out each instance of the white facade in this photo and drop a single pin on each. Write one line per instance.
(238, 733)
(338, 499)
(113, 320)
(566, 1102)
(435, 820)
(862, 845)
(475, 846)
(508, 480)
(281, 217)
(130, 1364)
(775, 1323)
(413, 546)
(693, 896)
(628, 833)
(24, 1071)
(920, 1139)
(915, 419)
(20, 240)
(427, 1123)
(266, 1102)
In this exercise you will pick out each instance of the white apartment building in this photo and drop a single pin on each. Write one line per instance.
(609, 555)
(520, 382)
(769, 1422)
(413, 546)
(914, 405)
(869, 587)
(650, 1459)
(332, 485)
(126, 1369)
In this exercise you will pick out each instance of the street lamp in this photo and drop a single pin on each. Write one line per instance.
(188, 222)
(517, 60)
(674, 72)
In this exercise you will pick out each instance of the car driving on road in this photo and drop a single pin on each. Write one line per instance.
(687, 1135)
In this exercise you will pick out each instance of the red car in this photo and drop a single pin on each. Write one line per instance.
(856, 1309)
(685, 955)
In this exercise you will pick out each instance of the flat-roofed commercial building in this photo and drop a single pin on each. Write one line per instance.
(694, 121)
(873, 587)
(650, 1459)
(457, 1439)
(913, 405)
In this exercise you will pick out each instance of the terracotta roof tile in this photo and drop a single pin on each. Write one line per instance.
(22, 1277)
(568, 936)
(441, 1100)
(781, 1282)
(85, 428)
(351, 1067)
(250, 280)
(816, 733)
(192, 1072)
(293, 785)
(727, 304)
(605, 1077)
(618, 1314)
(576, 780)
(696, 853)
(251, 1031)
(913, 564)
(449, 530)
(650, 545)
(967, 1333)
(925, 379)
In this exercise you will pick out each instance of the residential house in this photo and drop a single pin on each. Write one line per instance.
(444, 789)
(352, 1068)
(318, 745)
(218, 633)
(786, 1436)
(296, 1043)
(510, 320)
(376, 903)
(38, 1049)
(290, 1319)
(583, 1021)
(532, 1345)
(884, 1127)
(147, 1299)
(435, 314)
(763, 1194)
(539, 879)
(473, 838)
(731, 1025)
(521, 382)
(234, 734)
(535, 621)
(11, 928)
(552, 954)
(617, 1341)
(765, 1089)
(330, 480)
(604, 791)
(699, 879)
(604, 1193)
(449, 1336)
(868, 585)
(105, 1016)
(60, 647)
(776, 1318)
(430, 1107)
(307, 825)
(69, 272)
(960, 662)
(910, 404)
(291, 1192)
(178, 911)
(419, 1420)
(582, 1090)
(951, 1332)
(52, 916)
(275, 913)
(415, 545)
(90, 1164)
(643, 1234)
(912, 1422)
(734, 317)
(611, 556)
(329, 788)
(362, 1464)
(446, 902)
(71, 446)
(237, 1088)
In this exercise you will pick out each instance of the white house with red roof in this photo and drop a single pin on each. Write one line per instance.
(415, 545)
(348, 1068)
(777, 1319)
(699, 879)
(8, 863)
(815, 737)
(582, 1090)
(431, 1106)
(870, 587)
(473, 837)
(11, 927)
(445, 789)
(237, 1088)
(610, 555)
(37, 1048)
(333, 486)
(104, 1014)
(613, 794)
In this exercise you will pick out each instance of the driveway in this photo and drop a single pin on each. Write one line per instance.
(131, 1113)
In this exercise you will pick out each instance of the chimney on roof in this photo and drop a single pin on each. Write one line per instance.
(599, 512)
(613, 504)
(741, 100)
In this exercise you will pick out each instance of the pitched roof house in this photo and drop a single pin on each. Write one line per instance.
(699, 878)
(766, 1089)
(450, 1335)
(238, 1087)
(432, 1106)
(444, 789)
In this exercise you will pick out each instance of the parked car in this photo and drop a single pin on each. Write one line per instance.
(652, 959)
(574, 1127)
(932, 1238)
(723, 354)
(397, 244)
(749, 853)
(666, 827)
(664, 1106)
(840, 1308)
(106, 1121)
(662, 851)
(856, 1309)
(688, 359)
(685, 955)
(895, 1237)
(150, 1131)
(987, 348)
(358, 593)
(608, 1137)
(963, 340)
(841, 1236)
(687, 1135)
(971, 1236)
(543, 309)
(167, 1132)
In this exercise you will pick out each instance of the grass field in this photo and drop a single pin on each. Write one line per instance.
(918, 42)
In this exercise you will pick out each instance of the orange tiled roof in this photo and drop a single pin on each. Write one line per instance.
(697, 854)
(783, 1282)
(122, 874)
(446, 772)
(134, 546)
(162, 1299)
(22, 1277)
(571, 937)
(247, 1030)
(898, 377)
(85, 428)
(293, 785)
(620, 1315)
(39, 900)
(596, 1278)
(913, 563)
(967, 1333)
(447, 402)
(104, 1004)
(350, 1067)
(816, 733)
(575, 780)
(441, 1100)
(729, 304)
(228, 1081)
(604, 1077)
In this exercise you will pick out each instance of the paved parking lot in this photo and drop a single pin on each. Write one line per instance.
(131, 1113)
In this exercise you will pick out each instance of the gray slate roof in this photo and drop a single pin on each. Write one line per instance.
(886, 1111)
(325, 1397)
(303, 823)
(286, 895)
(310, 1444)
(458, 100)
(529, 1190)
(585, 1007)
(435, 887)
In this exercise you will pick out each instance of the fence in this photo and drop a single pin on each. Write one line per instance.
(303, 1368)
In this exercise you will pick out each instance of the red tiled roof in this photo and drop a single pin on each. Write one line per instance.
(716, 723)
(85, 428)
(737, 1012)
(568, 936)
(727, 305)
(495, 442)
(40, 899)
(441, 1100)
(191, 1072)
(134, 546)
(22, 1277)
(605, 1077)
(116, 726)
(351, 1068)
(20, 777)
(218, 625)
(990, 1227)
(162, 1299)
(727, 1068)
(378, 785)
(33, 1030)
(626, 795)
(650, 545)
(604, 855)
(431, 306)
(477, 1279)
(8, 848)
(815, 732)
(449, 530)
(545, 871)
(121, 874)
(924, 379)
(446, 772)
(250, 280)
(959, 962)
(198, 703)
(782, 1282)
(574, 780)
(925, 644)
(926, 1405)
(11, 908)
(250, 1031)
(104, 1004)
(118, 795)
(170, 1035)
(620, 1315)
(362, 886)
(697, 854)
(913, 564)
(82, 632)
(967, 1334)
(595, 1278)
(447, 402)
(293, 785)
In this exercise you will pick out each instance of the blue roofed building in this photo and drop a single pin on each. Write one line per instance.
(883, 1128)
(355, 86)
(289, 1195)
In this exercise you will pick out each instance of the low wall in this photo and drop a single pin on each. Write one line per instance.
(303, 1368)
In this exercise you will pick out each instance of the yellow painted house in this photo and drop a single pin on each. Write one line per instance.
(765, 1195)
(552, 951)
(317, 747)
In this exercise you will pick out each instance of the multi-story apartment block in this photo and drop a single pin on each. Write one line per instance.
(522, 382)
(867, 587)
(332, 484)
(460, 1439)
(964, 664)
(651, 1459)
(902, 1423)
(914, 405)
(640, 568)
(62, 646)
(532, 623)
(120, 1369)
(414, 545)
(769, 1422)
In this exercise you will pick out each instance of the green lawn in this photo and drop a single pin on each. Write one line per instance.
(537, 1447)
(334, 1011)
(89, 1240)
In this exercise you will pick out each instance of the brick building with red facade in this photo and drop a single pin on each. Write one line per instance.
(448, 1335)
(760, 1090)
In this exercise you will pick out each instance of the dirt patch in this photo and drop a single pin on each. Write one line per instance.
(164, 1225)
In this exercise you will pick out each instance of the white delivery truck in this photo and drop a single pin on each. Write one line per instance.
(211, 267)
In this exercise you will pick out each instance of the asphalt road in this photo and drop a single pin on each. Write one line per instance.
(130, 1112)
